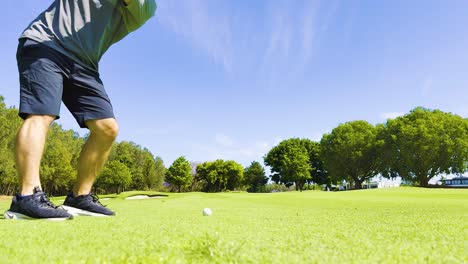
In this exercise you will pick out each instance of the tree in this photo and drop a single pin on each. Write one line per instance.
(57, 172)
(139, 176)
(423, 144)
(155, 170)
(179, 173)
(351, 151)
(235, 175)
(129, 154)
(220, 175)
(255, 177)
(198, 184)
(214, 175)
(114, 177)
(290, 162)
(319, 174)
(9, 124)
(147, 171)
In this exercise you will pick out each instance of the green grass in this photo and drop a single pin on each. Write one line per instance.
(403, 225)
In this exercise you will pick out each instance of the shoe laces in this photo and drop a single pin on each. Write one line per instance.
(44, 200)
(96, 199)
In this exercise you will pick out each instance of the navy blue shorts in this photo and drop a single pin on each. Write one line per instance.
(48, 77)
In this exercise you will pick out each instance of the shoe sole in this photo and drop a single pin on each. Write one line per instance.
(9, 215)
(80, 212)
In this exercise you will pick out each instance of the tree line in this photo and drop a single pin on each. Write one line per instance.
(416, 147)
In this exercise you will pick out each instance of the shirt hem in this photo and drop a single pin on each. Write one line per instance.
(61, 51)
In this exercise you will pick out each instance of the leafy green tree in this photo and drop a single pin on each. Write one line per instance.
(351, 152)
(319, 174)
(235, 175)
(9, 124)
(160, 172)
(114, 177)
(211, 172)
(220, 175)
(199, 183)
(291, 161)
(255, 177)
(154, 171)
(179, 173)
(423, 144)
(128, 153)
(57, 172)
(147, 172)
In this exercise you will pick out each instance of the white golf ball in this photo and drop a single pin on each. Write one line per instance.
(207, 212)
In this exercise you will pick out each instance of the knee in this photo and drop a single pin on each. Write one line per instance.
(107, 128)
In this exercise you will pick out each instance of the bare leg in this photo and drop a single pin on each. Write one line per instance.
(94, 153)
(30, 142)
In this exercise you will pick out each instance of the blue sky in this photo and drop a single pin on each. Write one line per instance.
(230, 79)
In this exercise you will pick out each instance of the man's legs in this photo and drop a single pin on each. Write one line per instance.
(92, 158)
(94, 153)
(30, 142)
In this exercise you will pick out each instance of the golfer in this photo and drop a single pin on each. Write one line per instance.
(58, 56)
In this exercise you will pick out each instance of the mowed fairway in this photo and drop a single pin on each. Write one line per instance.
(402, 225)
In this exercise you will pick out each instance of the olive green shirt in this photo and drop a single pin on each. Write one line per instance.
(84, 29)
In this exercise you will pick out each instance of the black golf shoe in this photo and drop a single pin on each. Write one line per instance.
(36, 206)
(85, 205)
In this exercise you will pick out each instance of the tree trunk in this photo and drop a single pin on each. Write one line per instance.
(8, 191)
(423, 179)
(424, 182)
(299, 186)
(358, 184)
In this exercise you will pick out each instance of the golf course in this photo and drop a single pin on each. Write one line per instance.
(394, 225)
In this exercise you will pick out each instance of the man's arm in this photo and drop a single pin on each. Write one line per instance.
(137, 12)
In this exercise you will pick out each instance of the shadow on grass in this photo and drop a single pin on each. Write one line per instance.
(126, 195)
(145, 196)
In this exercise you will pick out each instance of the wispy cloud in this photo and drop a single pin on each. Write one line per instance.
(293, 38)
(307, 32)
(278, 43)
(278, 50)
(208, 29)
